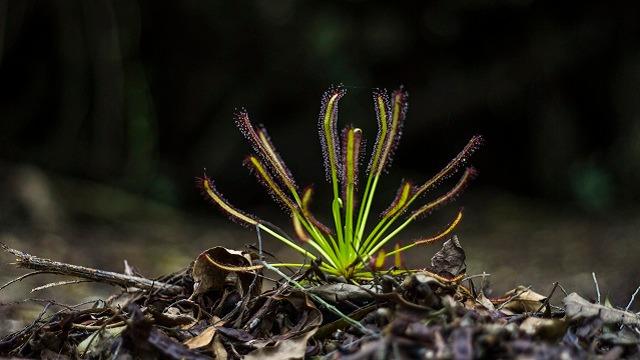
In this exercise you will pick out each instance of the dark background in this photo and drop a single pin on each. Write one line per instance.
(110, 108)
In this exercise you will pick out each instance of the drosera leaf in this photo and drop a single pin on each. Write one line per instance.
(399, 107)
(297, 227)
(307, 195)
(328, 121)
(453, 166)
(262, 145)
(432, 239)
(261, 172)
(351, 148)
(382, 109)
(210, 192)
(404, 193)
(426, 209)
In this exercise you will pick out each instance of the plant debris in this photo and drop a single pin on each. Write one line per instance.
(216, 308)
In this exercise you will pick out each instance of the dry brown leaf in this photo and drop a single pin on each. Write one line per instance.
(211, 268)
(287, 349)
(219, 352)
(576, 307)
(484, 301)
(450, 258)
(524, 300)
(309, 319)
(201, 340)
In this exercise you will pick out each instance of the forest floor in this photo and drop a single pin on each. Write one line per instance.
(216, 307)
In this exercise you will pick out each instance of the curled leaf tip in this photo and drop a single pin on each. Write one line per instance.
(210, 192)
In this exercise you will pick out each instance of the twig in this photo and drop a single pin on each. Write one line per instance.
(633, 297)
(513, 297)
(58, 283)
(548, 299)
(483, 275)
(564, 291)
(98, 327)
(27, 261)
(593, 274)
(22, 277)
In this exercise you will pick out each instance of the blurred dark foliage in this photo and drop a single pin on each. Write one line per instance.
(140, 95)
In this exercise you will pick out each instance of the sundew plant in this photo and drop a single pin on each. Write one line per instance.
(354, 245)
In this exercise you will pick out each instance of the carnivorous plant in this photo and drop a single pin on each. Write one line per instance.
(352, 247)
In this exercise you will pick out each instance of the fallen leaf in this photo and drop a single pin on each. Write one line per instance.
(450, 258)
(219, 352)
(212, 267)
(201, 340)
(484, 301)
(525, 300)
(307, 319)
(287, 349)
(576, 308)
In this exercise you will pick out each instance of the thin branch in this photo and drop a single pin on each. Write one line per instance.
(595, 281)
(633, 297)
(22, 277)
(28, 261)
(58, 283)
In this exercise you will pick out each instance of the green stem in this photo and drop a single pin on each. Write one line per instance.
(365, 208)
(287, 241)
(390, 236)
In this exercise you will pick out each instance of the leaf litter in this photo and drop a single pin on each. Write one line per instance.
(222, 312)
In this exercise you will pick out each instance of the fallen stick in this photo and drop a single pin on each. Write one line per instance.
(28, 261)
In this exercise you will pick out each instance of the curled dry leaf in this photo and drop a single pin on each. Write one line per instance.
(576, 308)
(523, 300)
(213, 267)
(450, 258)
